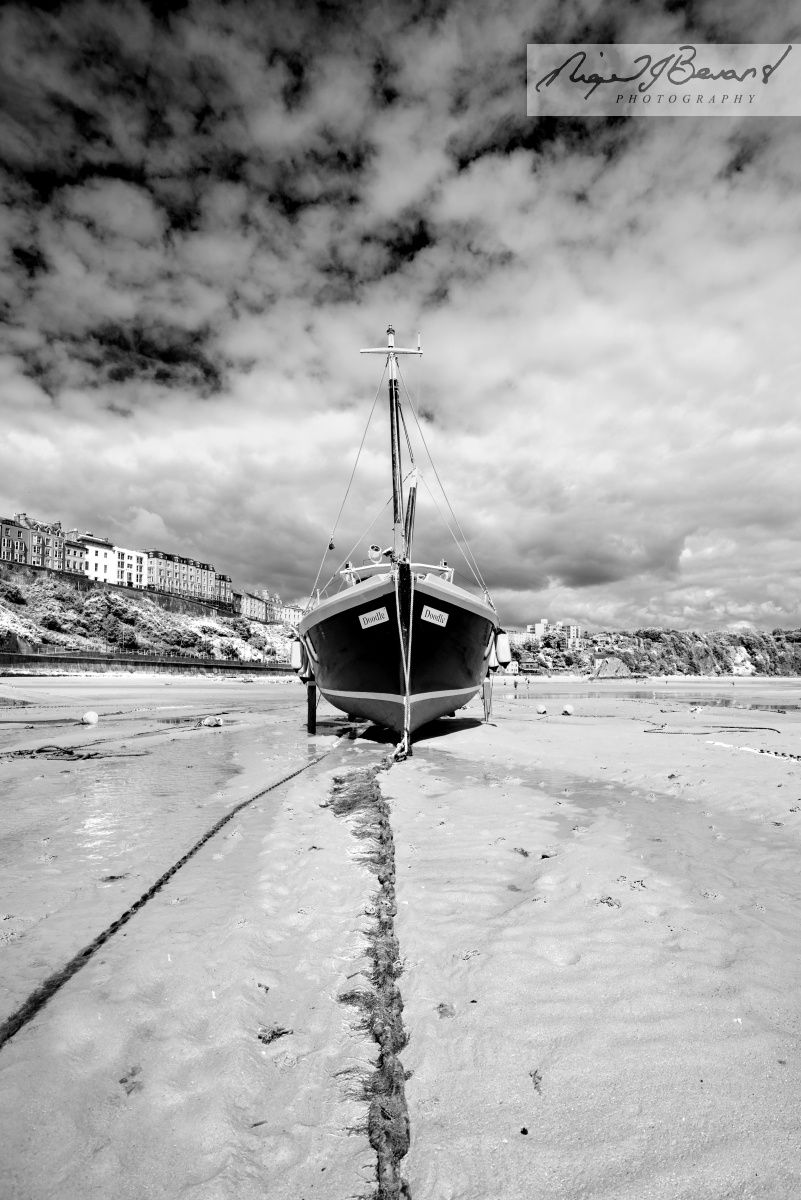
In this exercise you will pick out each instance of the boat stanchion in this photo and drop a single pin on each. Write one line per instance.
(311, 707)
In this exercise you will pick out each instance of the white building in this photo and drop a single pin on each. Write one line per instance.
(130, 567)
(544, 627)
(101, 559)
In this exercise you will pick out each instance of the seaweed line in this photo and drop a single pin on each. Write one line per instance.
(356, 795)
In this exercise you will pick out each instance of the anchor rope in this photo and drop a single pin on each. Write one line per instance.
(38, 998)
(406, 658)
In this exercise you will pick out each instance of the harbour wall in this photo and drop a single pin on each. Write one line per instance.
(74, 664)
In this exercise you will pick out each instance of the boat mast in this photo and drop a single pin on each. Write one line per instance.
(401, 536)
(398, 539)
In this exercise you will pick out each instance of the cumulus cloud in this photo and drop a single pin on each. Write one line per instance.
(205, 214)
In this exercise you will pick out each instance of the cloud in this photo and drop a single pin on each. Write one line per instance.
(204, 215)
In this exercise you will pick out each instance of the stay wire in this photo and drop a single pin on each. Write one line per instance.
(347, 492)
(406, 431)
(450, 531)
(477, 570)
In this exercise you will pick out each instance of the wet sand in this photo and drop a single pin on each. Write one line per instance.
(597, 916)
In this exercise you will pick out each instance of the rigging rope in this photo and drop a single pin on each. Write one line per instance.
(356, 544)
(347, 492)
(361, 537)
(477, 570)
(450, 531)
(406, 431)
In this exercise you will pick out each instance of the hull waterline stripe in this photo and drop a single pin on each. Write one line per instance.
(399, 699)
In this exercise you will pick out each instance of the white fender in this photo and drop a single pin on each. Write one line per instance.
(502, 648)
(296, 656)
(493, 659)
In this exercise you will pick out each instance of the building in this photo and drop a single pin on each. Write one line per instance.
(44, 540)
(101, 560)
(249, 605)
(517, 637)
(545, 628)
(15, 542)
(181, 576)
(224, 590)
(75, 556)
(130, 567)
(280, 613)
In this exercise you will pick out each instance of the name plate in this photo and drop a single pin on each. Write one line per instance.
(377, 617)
(434, 616)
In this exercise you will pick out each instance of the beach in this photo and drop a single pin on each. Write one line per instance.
(596, 917)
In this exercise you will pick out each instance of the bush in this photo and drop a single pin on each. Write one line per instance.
(11, 593)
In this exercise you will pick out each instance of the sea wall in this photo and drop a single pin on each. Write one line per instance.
(71, 664)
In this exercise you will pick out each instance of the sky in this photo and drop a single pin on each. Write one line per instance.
(207, 209)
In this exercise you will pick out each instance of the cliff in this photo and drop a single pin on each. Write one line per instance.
(50, 609)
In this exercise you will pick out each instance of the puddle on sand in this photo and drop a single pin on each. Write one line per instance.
(631, 694)
(66, 828)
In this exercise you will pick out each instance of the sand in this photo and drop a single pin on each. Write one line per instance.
(598, 926)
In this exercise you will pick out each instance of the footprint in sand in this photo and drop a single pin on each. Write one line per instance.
(445, 1010)
(558, 953)
(130, 1082)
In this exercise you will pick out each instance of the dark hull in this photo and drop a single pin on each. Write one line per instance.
(360, 670)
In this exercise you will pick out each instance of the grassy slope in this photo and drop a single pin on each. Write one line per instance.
(49, 610)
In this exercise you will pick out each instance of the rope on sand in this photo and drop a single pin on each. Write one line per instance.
(714, 729)
(37, 1000)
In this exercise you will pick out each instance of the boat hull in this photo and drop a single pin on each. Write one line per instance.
(354, 641)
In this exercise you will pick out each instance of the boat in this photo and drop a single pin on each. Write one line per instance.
(400, 644)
